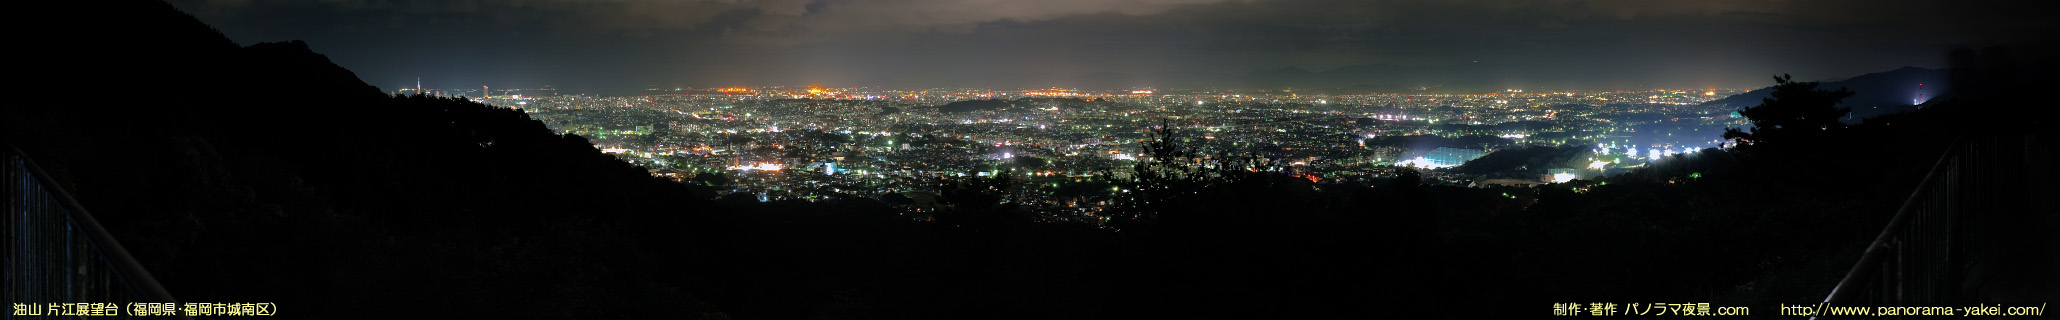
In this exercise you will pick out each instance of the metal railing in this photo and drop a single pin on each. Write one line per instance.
(1922, 257)
(56, 253)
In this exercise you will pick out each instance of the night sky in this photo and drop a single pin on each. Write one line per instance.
(1095, 44)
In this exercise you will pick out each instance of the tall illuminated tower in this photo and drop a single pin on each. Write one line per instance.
(418, 85)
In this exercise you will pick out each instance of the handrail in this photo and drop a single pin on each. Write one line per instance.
(1872, 257)
(1926, 253)
(21, 192)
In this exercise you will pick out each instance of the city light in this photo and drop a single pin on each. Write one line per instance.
(763, 166)
(769, 129)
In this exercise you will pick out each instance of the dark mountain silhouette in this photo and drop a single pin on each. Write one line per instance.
(1195, 79)
(268, 173)
(974, 105)
(999, 104)
(1386, 78)
(1353, 79)
(1874, 94)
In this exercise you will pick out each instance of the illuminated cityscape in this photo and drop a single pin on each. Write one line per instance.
(1090, 159)
(815, 143)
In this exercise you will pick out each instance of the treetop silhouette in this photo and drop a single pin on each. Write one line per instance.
(1796, 111)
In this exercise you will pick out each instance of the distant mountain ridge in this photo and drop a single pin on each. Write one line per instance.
(1384, 78)
(1874, 94)
(999, 104)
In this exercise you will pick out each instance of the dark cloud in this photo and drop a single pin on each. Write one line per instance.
(1000, 43)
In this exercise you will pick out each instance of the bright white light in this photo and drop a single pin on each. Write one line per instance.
(760, 166)
(1598, 165)
(1653, 155)
(614, 150)
(1421, 162)
(1562, 177)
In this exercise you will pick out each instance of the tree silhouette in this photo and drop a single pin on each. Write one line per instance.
(1797, 111)
(1175, 173)
(978, 202)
